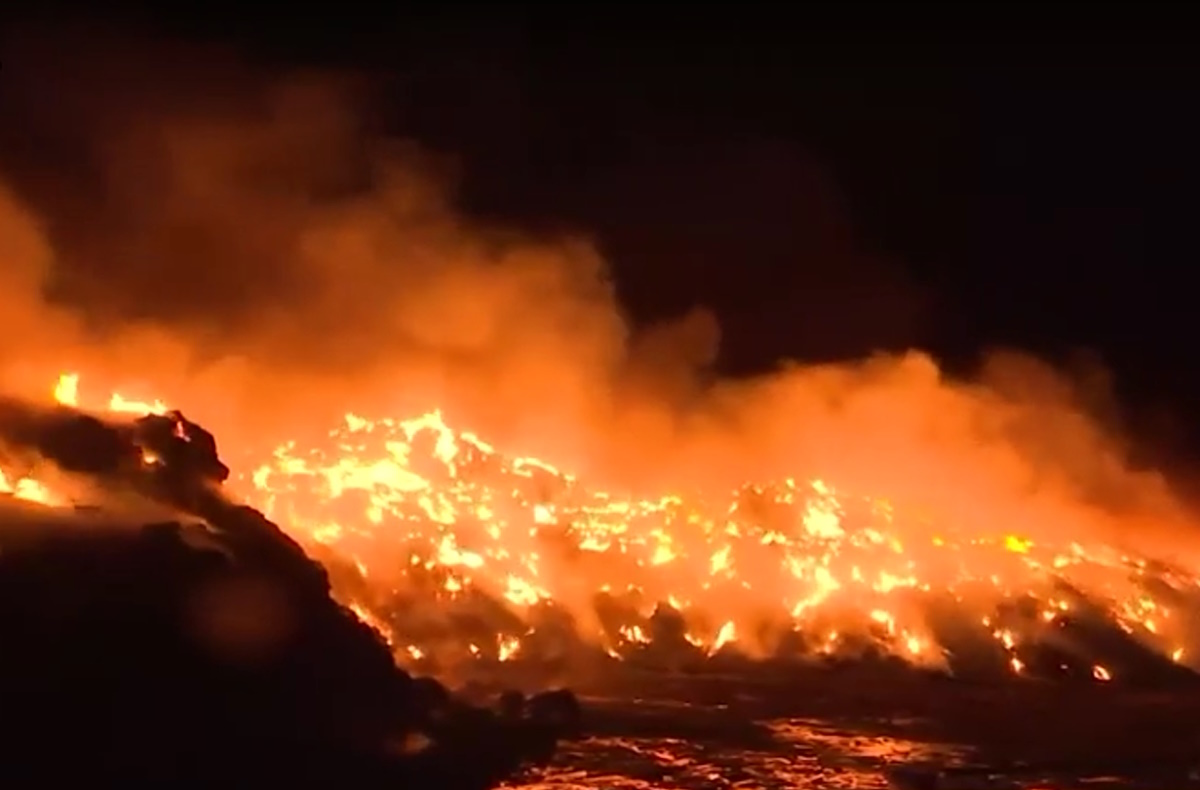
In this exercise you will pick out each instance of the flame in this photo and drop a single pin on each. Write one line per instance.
(30, 490)
(415, 503)
(66, 391)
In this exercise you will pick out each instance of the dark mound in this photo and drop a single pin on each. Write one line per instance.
(204, 649)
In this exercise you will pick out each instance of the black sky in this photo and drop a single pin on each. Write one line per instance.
(828, 192)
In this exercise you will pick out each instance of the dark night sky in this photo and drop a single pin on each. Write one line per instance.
(826, 192)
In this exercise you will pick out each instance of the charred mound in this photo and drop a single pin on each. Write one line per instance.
(206, 647)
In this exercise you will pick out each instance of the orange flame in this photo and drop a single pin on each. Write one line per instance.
(401, 499)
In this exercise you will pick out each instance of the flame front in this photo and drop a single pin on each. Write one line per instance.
(416, 506)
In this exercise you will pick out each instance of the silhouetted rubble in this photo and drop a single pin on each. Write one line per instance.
(208, 649)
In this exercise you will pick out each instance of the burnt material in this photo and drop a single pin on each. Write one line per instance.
(133, 655)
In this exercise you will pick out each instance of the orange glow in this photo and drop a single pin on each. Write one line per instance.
(408, 499)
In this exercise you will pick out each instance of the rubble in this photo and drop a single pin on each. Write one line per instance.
(209, 648)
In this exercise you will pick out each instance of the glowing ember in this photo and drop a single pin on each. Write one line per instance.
(414, 504)
(28, 489)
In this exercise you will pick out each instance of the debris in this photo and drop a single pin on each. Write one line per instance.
(139, 657)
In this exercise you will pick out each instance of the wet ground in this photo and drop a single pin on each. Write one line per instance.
(805, 754)
(870, 732)
(816, 755)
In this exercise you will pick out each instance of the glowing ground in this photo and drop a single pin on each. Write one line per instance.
(680, 746)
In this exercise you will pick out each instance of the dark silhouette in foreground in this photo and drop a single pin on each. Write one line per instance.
(208, 649)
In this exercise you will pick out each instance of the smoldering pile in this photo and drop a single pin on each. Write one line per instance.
(1056, 626)
(208, 646)
(473, 636)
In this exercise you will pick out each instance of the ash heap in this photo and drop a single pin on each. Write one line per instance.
(169, 634)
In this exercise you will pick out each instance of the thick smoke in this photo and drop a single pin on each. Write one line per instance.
(174, 222)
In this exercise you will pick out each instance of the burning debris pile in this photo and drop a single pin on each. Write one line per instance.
(526, 563)
(469, 562)
(205, 642)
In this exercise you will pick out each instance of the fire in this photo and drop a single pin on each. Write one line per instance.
(66, 391)
(416, 504)
(29, 489)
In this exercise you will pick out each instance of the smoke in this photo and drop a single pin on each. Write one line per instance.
(175, 222)
(245, 230)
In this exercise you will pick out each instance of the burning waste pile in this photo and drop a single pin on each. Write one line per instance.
(156, 630)
(499, 543)
(477, 566)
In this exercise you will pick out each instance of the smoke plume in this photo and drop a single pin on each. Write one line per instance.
(175, 222)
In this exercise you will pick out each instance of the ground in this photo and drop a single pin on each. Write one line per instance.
(863, 728)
